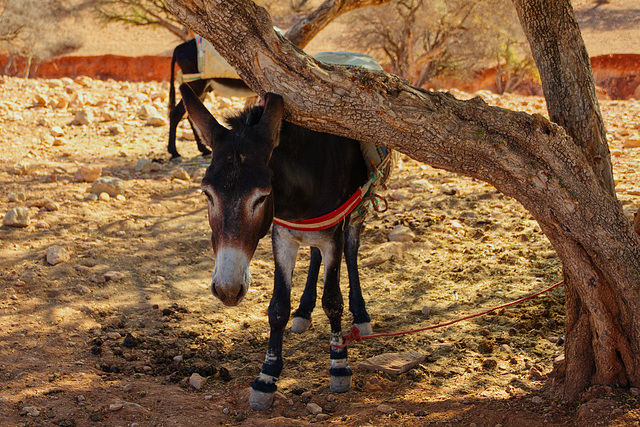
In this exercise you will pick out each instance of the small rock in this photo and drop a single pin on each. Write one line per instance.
(197, 381)
(107, 184)
(314, 408)
(83, 117)
(57, 254)
(147, 111)
(180, 173)
(17, 196)
(59, 142)
(116, 130)
(401, 233)
(188, 135)
(536, 399)
(421, 186)
(114, 275)
(322, 417)
(489, 364)
(156, 121)
(16, 217)
(426, 310)
(114, 336)
(88, 174)
(57, 132)
(115, 407)
(198, 175)
(104, 197)
(31, 411)
(384, 408)
(52, 206)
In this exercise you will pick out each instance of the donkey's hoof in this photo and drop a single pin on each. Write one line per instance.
(340, 384)
(300, 325)
(365, 328)
(260, 401)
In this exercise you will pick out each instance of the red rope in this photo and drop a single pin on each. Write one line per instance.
(354, 335)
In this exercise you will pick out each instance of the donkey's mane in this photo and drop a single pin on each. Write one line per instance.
(245, 118)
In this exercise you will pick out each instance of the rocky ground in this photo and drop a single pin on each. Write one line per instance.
(106, 317)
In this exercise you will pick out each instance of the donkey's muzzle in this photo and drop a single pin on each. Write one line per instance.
(231, 278)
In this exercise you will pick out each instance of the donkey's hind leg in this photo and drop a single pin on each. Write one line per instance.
(302, 316)
(333, 305)
(361, 318)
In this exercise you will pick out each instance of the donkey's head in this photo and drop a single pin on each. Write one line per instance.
(238, 187)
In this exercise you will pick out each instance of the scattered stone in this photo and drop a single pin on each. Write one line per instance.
(59, 142)
(114, 275)
(426, 310)
(384, 408)
(56, 254)
(421, 186)
(107, 184)
(180, 173)
(198, 175)
(188, 135)
(42, 224)
(16, 217)
(31, 411)
(401, 233)
(314, 408)
(22, 168)
(104, 197)
(385, 252)
(394, 363)
(17, 196)
(83, 118)
(116, 407)
(156, 121)
(88, 173)
(322, 417)
(489, 364)
(114, 336)
(197, 381)
(130, 341)
(57, 132)
(147, 111)
(52, 206)
(116, 130)
(41, 100)
(536, 399)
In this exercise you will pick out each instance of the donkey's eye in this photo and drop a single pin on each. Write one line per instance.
(209, 198)
(258, 202)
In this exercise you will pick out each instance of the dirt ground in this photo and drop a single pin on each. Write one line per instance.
(111, 335)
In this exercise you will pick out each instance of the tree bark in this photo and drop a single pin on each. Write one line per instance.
(525, 157)
(303, 31)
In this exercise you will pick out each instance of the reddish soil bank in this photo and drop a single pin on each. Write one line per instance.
(126, 68)
(616, 75)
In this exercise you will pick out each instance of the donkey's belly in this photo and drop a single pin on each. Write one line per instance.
(320, 239)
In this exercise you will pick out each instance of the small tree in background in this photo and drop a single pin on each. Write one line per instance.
(423, 39)
(35, 29)
(142, 12)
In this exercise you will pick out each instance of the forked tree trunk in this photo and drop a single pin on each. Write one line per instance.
(566, 184)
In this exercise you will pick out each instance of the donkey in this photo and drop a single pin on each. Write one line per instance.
(186, 56)
(264, 167)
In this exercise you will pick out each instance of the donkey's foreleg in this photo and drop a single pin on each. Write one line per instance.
(264, 387)
(361, 318)
(302, 316)
(333, 306)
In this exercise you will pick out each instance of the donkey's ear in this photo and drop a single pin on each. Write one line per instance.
(208, 129)
(272, 117)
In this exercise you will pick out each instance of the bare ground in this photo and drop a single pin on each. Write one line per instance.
(111, 336)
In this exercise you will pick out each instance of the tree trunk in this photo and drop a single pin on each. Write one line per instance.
(303, 31)
(525, 157)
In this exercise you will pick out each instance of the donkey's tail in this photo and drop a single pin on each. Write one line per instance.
(172, 89)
